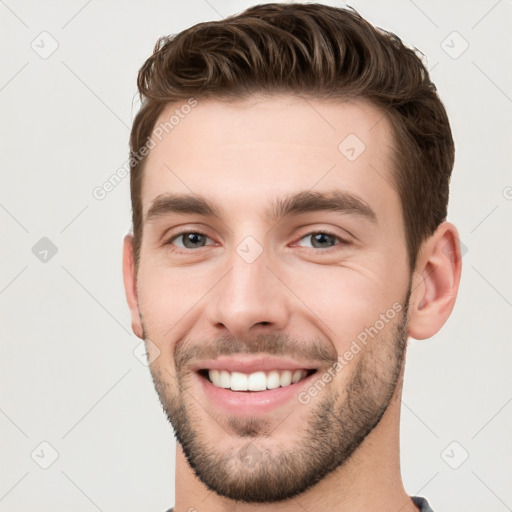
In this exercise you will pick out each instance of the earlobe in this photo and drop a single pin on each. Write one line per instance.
(130, 285)
(435, 283)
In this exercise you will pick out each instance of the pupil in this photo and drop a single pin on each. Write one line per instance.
(321, 239)
(193, 239)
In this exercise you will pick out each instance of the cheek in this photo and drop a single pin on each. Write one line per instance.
(346, 301)
(167, 297)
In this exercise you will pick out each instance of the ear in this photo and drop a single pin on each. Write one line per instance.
(435, 282)
(130, 285)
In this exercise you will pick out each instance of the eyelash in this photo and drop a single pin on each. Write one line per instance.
(183, 233)
(341, 240)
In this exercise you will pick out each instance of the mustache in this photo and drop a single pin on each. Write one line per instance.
(272, 344)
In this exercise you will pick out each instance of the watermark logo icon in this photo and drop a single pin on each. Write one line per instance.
(249, 249)
(44, 455)
(455, 455)
(44, 250)
(44, 45)
(146, 352)
(249, 455)
(351, 147)
(454, 45)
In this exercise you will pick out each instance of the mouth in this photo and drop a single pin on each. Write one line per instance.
(254, 382)
(249, 385)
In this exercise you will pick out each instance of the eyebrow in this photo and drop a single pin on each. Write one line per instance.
(293, 204)
(309, 201)
(167, 204)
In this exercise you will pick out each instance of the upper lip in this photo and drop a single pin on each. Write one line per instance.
(252, 364)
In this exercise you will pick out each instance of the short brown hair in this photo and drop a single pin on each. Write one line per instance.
(317, 51)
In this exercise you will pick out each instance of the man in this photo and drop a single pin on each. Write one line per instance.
(289, 178)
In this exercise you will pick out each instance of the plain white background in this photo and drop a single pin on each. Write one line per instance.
(69, 376)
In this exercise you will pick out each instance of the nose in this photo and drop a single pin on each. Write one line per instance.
(249, 300)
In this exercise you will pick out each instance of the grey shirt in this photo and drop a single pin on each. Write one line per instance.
(422, 503)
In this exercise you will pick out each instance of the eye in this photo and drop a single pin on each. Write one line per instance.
(190, 240)
(319, 240)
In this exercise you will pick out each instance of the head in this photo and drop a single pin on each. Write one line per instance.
(289, 181)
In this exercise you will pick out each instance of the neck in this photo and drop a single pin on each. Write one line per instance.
(370, 480)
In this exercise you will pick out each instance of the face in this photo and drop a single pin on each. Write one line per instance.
(273, 287)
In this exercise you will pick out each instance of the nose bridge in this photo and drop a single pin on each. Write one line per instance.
(249, 280)
(249, 295)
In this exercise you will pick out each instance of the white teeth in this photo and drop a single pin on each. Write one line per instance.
(285, 379)
(238, 381)
(224, 379)
(297, 374)
(273, 380)
(214, 375)
(258, 381)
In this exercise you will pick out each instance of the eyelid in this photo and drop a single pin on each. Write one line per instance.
(184, 229)
(343, 239)
(169, 239)
(180, 235)
(180, 229)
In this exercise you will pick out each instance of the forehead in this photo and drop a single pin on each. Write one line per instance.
(251, 151)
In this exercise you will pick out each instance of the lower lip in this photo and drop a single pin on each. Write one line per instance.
(252, 402)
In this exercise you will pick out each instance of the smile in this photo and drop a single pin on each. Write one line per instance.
(248, 385)
(257, 381)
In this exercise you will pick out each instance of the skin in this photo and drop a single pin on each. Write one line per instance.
(320, 298)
